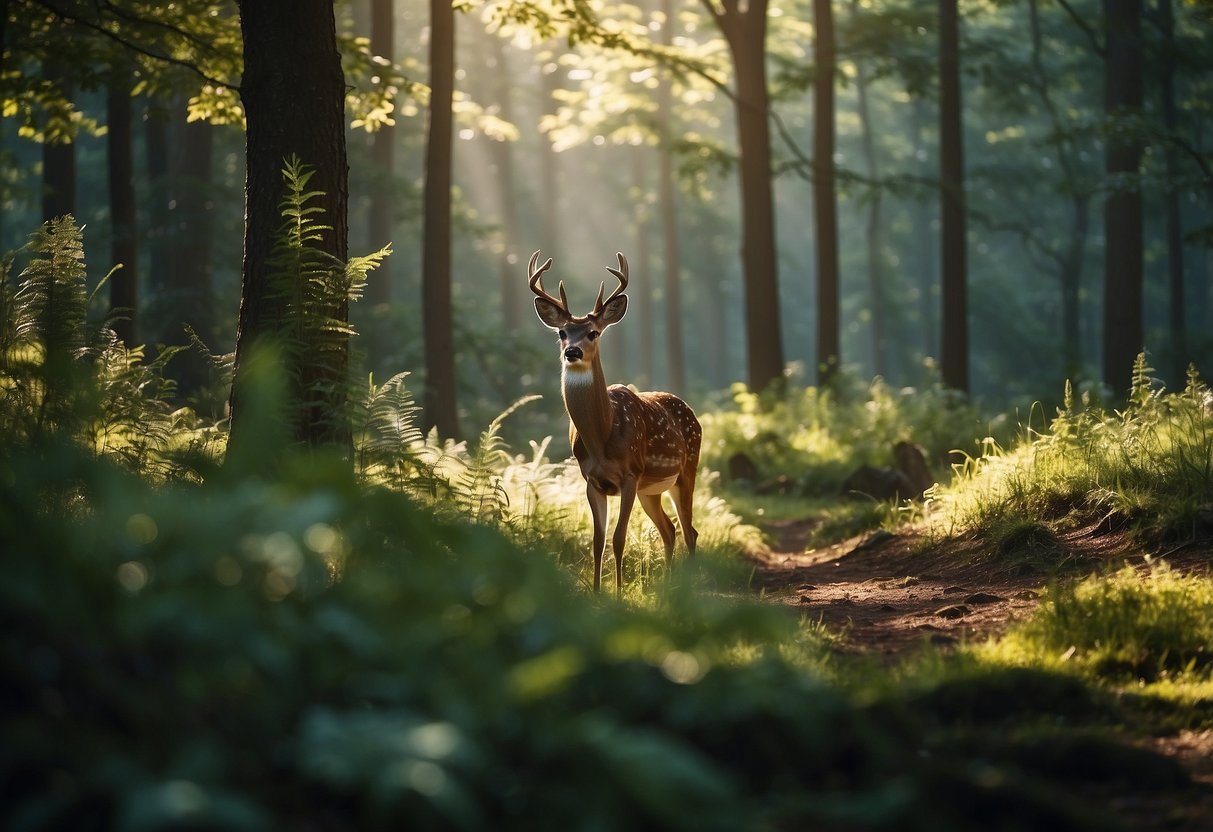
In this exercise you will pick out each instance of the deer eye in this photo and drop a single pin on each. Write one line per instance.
(562, 335)
(593, 335)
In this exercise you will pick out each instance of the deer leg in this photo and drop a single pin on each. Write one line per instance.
(683, 492)
(651, 503)
(627, 497)
(598, 509)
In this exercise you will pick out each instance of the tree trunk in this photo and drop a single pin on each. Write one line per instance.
(745, 32)
(156, 141)
(873, 236)
(58, 160)
(955, 322)
(1123, 255)
(383, 143)
(1175, 245)
(438, 315)
(293, 91)
(643, 294)
(669, 221)
(824, 198)
(190, 284)
(120, 166)
(926, 240)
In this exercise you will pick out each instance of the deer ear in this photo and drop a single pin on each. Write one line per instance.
(551, 314)
(612, 312)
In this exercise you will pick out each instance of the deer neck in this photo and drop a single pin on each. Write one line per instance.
(588, 405)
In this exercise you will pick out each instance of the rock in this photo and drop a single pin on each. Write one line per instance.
(804, 599)
(741, 467)
(877, 483)
(983, 598)
(953, 589)
(953, 611)
(912, 462)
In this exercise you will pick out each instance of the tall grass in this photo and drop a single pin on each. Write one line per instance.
(1147, 468)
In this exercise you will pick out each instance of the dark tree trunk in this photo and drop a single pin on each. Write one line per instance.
(190, 284)
(58, 160)
(1175, 244)
(156, 141)
(120, 165)
(669, 222)
(745, 29)
(383, 143)
(438, 315)
(824, 199)
(1123, 263)
(293, 91)
(926, 240)
(955, 320)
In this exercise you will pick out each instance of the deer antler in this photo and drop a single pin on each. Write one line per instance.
(621, 274)
(537, 287)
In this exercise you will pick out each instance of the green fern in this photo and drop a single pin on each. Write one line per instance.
(386, 431)
(313, 289)
(478, 491)
(51, 307)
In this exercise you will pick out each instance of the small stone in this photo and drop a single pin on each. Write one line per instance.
(953, 611)
(983, 598)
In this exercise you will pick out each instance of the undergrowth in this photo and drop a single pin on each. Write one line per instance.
(1147, 468)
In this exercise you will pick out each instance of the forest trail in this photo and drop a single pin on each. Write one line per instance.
(888, 595)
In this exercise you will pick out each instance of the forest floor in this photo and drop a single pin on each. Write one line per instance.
(889, 595)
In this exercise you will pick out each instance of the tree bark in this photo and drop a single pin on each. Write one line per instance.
(156, 142)
(58, 160)
(1123, 263)
(1175, 245)
(669, 221)
(438, 314)
(955, 322)
(293, 91)
(824, 197)
(383, 143)
(120, 165)
(190, 284)
(745, 31)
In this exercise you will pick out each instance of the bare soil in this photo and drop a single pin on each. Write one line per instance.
(891, 594)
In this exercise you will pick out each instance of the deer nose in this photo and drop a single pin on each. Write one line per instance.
(573, 354)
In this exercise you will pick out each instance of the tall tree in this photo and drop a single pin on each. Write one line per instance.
(120, 164)
(954, 359)
(669, 220)
(58, 155)
(293, 91)
(1175, 245)
(824, 196)
(744, 26)
(1123, 254)
(190, 283)
(383, 143)
(438, 314)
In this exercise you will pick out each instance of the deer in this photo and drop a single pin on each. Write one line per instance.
(627, 444)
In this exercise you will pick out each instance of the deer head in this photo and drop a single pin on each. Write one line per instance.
(579, 334)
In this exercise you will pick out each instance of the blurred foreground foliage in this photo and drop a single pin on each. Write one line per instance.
(286, 642)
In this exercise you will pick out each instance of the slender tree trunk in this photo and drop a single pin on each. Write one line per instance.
(510, 262)
(643, 294)
(669, 221)
(293, 91)
(824, 198)
(1123, 257)
(439, 324)
(383, 143)
(120, 165)
(58, 160)
(926, 240)
(190, 284)
(955, 319)
(156, 141)
(745, 31)
(872, 233)
(1175, 244)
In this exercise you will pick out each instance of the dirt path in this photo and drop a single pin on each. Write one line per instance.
(891, 593)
